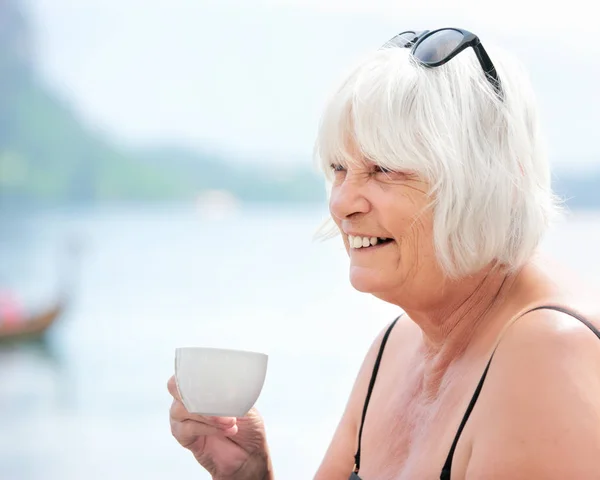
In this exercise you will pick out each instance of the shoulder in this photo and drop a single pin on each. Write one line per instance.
(540, 406)
(545, 339)
(376, 364)
(388, 338)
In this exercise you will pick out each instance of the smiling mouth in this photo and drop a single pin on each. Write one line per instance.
(356, 242)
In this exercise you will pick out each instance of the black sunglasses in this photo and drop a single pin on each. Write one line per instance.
(437, 47)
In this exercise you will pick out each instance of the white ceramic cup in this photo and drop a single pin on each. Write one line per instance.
(219, 382)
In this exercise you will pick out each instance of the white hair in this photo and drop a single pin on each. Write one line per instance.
(483, 155)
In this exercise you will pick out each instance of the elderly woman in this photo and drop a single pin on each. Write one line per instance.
(440, 188)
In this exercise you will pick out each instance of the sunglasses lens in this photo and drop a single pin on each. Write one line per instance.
(438, 46)
(402, 40)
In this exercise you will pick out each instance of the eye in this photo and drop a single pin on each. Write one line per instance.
(381, 169)
(336, 167)
(390, 174)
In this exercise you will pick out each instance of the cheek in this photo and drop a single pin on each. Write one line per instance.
(414, 236)
(410, 217)
(406, 228)
(419, 245)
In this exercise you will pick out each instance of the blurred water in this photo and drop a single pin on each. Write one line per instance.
(93, 403)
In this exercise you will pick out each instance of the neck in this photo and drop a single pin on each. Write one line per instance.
(452, 324)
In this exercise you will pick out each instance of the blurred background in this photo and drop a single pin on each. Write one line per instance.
(157, 190)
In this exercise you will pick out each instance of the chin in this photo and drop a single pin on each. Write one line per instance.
(366, 281)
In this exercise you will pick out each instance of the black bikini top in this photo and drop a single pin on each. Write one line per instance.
(447, 468)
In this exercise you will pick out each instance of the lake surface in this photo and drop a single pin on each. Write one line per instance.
(93, 404)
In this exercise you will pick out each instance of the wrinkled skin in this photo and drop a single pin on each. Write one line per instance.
(228, 448)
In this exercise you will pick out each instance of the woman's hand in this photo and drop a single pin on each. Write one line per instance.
(228, 448)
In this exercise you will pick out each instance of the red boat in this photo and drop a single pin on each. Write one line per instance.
(31, 327)
(18, 323)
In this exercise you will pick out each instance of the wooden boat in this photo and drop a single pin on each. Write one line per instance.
(33, 327)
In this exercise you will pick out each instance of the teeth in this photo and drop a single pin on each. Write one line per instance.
(363, 242)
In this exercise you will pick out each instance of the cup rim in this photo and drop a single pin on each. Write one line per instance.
(220, 350)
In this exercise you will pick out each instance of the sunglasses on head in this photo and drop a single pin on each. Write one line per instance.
(437, 47)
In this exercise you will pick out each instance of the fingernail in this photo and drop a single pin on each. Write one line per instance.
(225, 422)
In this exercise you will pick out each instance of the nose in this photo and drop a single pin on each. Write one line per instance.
(348, 198)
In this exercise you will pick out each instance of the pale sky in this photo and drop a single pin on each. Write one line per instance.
(251, 76)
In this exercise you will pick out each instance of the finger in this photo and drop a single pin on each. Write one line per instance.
(188, 431)
(179, 413)
(172, 387)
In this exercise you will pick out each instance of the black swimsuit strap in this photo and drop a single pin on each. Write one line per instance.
(370, 390)
(448, 464)
(446, 470)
